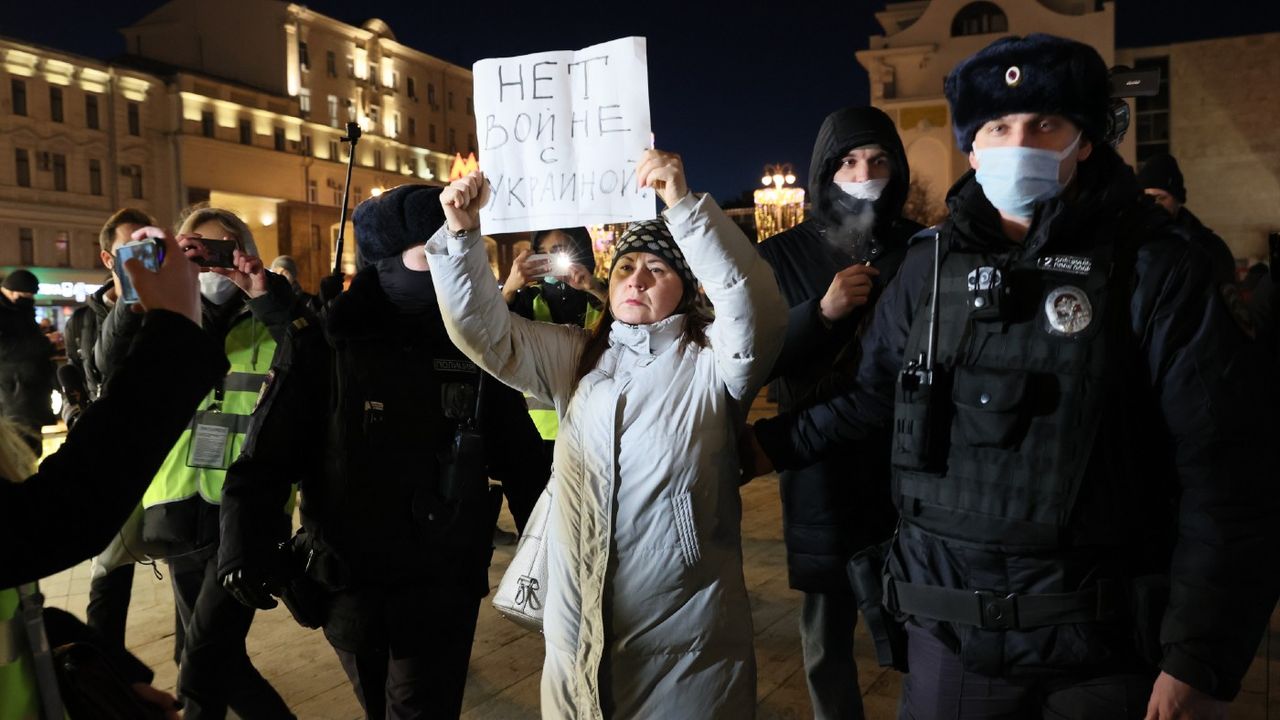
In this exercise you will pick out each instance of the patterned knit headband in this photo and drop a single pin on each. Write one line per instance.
(653, 237)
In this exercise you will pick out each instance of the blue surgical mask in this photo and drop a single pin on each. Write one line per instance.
(551, 280)
(1015, 178)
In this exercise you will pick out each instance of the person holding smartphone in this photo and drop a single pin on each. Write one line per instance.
(171, 364)
(245, 309)
(556, 283)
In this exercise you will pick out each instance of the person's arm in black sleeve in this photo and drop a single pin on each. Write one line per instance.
(62, 628)
(276, 308)
(118, 330)
(514, 451)
(1213, 399)
(83, 493)
(808, 336)
(801, 438)
(280, 449)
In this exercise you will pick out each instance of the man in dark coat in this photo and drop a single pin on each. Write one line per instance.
(397, 513)
(1161, 179)
(1080, 441)
(831, 268)
(26, 359)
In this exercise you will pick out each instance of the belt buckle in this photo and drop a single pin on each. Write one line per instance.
(997, 613)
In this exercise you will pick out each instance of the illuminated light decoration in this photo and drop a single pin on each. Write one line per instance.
(375, 192)
(778, 206)
(134, 88)
(362, 63)
(462, 168)
(603, 240)
(293, 72)
(20, 63)
(58, 72)
(267, 219)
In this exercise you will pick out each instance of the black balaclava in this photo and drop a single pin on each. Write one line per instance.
(410, 290)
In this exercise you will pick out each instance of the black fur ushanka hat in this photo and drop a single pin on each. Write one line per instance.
(1033, 74)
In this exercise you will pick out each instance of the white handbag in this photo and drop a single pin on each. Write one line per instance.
(523, 587)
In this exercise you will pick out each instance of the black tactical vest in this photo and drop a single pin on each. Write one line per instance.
(1017, 397)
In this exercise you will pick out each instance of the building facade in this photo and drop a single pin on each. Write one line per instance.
(78, 139)
(263, 92)
(1217, 115)
(1215, 111)
(243, 105)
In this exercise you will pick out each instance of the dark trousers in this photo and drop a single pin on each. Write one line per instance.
(215, 672)
(939, 687)
(425, 684)
(827, 622)
(109, 604)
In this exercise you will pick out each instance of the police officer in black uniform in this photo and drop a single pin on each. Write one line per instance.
(390, 433)
(1085, 509)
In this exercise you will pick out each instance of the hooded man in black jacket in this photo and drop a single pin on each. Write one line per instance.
(1080, 444)
(397, 514)
(831, 268)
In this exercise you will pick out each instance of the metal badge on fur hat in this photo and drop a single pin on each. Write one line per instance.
(654, 237)
(1033, 74)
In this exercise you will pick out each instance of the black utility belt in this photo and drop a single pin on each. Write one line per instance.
(992, 611)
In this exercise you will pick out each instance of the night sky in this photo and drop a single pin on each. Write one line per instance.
(733, 86)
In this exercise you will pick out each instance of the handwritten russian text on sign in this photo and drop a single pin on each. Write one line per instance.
(561, 134)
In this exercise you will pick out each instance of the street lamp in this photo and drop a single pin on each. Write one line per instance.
(778, 205)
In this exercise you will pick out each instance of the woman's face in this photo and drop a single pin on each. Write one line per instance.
(643, 289)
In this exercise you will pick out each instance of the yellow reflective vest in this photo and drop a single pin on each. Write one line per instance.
(544, 415)
(19, 698)
(188, 476)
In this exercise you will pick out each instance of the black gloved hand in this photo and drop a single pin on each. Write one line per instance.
(250, 587)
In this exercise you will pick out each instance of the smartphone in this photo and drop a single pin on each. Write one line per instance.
(149, 251)
(554, 264)
(217, 253)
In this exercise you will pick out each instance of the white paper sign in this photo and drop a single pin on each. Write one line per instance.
(561, 134)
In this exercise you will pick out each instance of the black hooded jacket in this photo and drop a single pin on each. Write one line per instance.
(1182, 467)
(827, 515)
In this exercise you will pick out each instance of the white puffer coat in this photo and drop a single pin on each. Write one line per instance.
(646, 613)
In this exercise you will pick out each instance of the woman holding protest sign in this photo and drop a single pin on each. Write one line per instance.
(646, 611)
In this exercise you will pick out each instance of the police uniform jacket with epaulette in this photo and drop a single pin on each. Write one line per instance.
(361, 412)
(1094, 425)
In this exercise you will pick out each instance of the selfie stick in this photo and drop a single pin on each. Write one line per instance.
(331, 285)
(353, 137)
